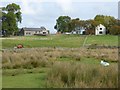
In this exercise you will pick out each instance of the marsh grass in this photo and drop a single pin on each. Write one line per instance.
(68, 68)
(45, 57)
(82, 76)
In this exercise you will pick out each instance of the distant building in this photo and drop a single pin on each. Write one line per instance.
(79, 30)
(34, 31)
(100, 30)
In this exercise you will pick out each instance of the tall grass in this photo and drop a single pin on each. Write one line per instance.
(69, 75)
(42, 57)
(73, 73)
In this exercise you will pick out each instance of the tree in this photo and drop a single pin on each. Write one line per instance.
(76, 24)
(0, 20)
(115, 30)
(90, 26)
(73, 24)
(10, 19)
(62, 24)
(66, 24)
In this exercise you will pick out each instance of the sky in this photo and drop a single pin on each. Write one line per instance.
(37, 13)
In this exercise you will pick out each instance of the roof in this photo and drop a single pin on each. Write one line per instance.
(34, 29)
(100, 25)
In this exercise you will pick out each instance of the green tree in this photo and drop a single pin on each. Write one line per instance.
(76, 24)
(0, 20)
(73, 24)
(10, 18)
(62, 24)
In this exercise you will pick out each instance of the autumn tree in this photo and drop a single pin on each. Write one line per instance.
(115, 30)
(73, 24)
(66, 24)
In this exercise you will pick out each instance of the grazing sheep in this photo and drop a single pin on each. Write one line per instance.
(104, 63)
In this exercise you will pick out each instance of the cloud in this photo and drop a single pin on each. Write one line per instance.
(29, 7)
(66, 5)
(61, 0)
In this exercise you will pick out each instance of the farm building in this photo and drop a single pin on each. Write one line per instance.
(77, 30)
(34, 31)
(100, 30)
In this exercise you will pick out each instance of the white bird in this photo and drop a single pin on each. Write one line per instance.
(104, 63)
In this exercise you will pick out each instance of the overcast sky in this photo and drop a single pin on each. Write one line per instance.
(37, 13)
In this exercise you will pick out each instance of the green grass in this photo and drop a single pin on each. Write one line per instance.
(0, 78)
(70, 41)
(36, 80)
(36, 77)
(103, 40)
(24, 78)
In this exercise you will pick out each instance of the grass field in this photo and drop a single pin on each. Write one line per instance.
(70, 41)
(43, 66)
(59, 61)
(35, 80)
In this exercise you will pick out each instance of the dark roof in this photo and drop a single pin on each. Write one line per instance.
(34, 29)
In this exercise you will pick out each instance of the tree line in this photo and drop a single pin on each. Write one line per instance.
(11, 15)
(66, 24)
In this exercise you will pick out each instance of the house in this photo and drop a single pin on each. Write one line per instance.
(34, 31)
(79, 30)
(68, 33)
(100, 30)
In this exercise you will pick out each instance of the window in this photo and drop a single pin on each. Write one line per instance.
(100, 32)
(44, 32)
(100, 28)
(28, 33)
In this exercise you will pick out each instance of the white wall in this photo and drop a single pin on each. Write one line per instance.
(100, 30)
(34, 32)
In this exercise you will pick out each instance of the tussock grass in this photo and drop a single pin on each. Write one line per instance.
(45, 57)
(81, 67)
(71, 75)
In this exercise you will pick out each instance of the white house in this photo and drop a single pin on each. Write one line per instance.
(82, 31)
(100, 30)
(79, 30)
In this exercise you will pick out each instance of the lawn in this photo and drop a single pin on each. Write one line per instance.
(33, 80)
(70, 41)
(103, 40)
(24, 78)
